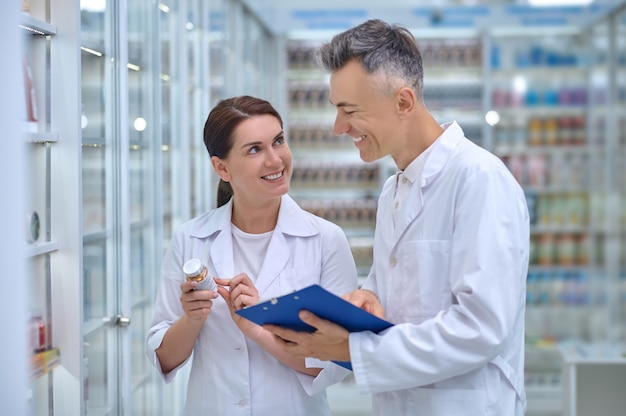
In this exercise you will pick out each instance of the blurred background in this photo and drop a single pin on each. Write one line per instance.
(104, 108)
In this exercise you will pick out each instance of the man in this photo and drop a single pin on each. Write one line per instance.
(450, 246)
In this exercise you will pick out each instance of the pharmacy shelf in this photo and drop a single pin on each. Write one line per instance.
(41, 248)
(41, 137)
(36, 26)
(42, 363)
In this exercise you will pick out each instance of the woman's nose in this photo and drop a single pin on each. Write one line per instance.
(273, 157)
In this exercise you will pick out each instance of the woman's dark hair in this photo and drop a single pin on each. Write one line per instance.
(221, 124)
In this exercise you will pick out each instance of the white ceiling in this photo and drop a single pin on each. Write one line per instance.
(318, 18)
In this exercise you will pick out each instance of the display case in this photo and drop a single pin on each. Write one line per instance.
(51, 241)
(555, 110)
(453, 82)
(329, 179)
(40, 142)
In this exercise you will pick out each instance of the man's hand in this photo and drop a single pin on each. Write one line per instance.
(367, 300)
(328, 342)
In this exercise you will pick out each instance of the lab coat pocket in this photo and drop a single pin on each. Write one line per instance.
(447, 402)
(426, 282)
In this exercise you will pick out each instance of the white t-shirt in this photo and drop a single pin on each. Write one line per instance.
(249, 251)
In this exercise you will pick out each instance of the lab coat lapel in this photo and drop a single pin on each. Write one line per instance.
(221, 252)
(441, 152)
(222, 255)
(274, 263)
(384, 219)
(292, 222)
(409, 210)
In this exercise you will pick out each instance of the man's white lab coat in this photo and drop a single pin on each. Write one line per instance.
(451, 275)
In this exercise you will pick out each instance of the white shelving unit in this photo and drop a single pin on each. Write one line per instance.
(53, 181)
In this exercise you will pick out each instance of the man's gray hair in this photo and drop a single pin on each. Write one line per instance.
(383, 49)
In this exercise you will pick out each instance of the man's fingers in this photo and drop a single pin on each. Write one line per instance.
(284, 334)
(309, 318)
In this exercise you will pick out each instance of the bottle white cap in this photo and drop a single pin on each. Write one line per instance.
(192, 267)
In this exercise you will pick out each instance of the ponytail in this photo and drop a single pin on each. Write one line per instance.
(224, 193)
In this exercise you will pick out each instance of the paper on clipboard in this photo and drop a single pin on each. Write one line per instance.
(283, 311)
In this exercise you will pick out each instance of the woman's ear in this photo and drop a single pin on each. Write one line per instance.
(220, 168)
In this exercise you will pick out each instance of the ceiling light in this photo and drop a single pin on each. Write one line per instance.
(556, 3)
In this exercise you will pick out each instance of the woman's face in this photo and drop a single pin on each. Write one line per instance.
(259, 165)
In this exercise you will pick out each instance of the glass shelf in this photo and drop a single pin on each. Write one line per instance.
(36, 137)
(37, 249)
(36, 26)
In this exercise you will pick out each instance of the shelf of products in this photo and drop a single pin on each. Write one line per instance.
(40, 244)
(329, 179)
(453, 82)
(40, 143)
(42, 363)
(553, 133)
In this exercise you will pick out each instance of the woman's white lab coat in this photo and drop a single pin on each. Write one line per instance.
(231, 375)
(451, 275)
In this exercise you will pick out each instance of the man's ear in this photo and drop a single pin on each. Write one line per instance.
(406, 100)
(220, 168)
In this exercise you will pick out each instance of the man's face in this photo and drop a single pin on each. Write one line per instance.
(363, 112)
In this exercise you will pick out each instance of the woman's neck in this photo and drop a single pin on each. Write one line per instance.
(255, 219)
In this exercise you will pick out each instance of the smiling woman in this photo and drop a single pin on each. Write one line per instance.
(257, 244)
(258, 165)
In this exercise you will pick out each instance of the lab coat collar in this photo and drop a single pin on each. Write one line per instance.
(436, 156)
(442, 151)
(425, 171)
(218, 226)
(292, 221)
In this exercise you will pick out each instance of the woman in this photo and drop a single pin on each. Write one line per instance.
(257, 244)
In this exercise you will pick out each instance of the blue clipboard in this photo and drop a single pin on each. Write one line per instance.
(283, 311)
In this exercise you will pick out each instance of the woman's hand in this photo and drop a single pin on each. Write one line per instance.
(197, 304)
(238, 293)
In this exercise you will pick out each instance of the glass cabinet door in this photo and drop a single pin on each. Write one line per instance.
(101, 338)
(144, 179)
(121, 224)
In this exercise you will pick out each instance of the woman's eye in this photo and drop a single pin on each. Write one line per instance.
(280, 140)
(253, 150)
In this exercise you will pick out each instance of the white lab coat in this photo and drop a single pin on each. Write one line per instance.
(231, 375)
(451, 275)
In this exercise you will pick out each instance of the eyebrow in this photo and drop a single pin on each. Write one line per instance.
(258, 142)
(342, 104)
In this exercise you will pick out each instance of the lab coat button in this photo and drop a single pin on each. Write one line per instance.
(393, 262)
(242, 402)
(395, 205)
(404, 179)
